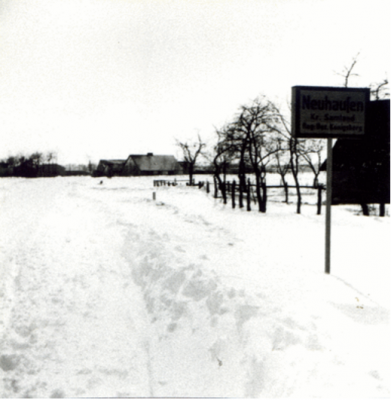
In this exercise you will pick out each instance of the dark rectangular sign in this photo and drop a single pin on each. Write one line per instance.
(329, 112)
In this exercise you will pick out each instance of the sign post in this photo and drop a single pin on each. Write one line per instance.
(320, 112)
(328, 203)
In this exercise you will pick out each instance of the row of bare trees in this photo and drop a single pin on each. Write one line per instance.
(258, 136)
(28, 165)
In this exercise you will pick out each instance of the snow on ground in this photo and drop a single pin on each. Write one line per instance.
(106, 292)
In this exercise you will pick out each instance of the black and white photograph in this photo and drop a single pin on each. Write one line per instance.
(195, 199)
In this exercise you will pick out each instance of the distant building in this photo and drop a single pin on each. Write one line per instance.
(151, 165)
(361, 167)
(139, 164)
(50, 170)
(109, 168)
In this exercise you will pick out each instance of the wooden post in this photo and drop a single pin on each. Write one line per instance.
(207, 187)
(248, 197)
(240, 193)
(154, 195)
(328, 203)
(233, 194)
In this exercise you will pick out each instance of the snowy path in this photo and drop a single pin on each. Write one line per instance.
(108, 293)
(75, 326)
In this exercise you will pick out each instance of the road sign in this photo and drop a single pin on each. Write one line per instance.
(329, 112)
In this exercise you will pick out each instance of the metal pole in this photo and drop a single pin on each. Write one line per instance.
(328, 203)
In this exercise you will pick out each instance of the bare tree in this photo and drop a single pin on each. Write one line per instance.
(91, 167)
(258, 121)
(50, 157)
(224, 153)
(347, 71)
(283, 164)
(380, 90)
(294, 146)
(311, 152)
(36, 159)
(191, 151)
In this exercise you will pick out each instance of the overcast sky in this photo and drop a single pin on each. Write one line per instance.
(94, 79)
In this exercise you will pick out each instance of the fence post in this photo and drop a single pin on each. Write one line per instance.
(248, 197)
(233, 194)
(207, 187)
(240, 193)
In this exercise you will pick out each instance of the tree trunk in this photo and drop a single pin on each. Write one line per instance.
(319, 211)
(295, 171)
(248, 197)
(286, 189)
(191, 175)
(242, 183)
(258, 191)
(218, 185)
(365, 209)
(264, 196)
(223, 190)
(241, 189)
(382, 210)
(233, 193)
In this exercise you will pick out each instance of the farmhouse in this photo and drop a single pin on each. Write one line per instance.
(139, 164)
(109, 168)
(361, 167)
(150, 164)
(50, 170)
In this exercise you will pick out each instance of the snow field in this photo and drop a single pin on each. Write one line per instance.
(113, 294)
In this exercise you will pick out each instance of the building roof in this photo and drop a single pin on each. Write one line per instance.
(114, 162)
(155, 163)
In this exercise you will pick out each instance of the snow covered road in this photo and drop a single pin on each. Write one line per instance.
(106, 292)
(73, 324)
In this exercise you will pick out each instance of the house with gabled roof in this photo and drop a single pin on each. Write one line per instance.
(110, 168)
(139, 164)
(149, 164)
